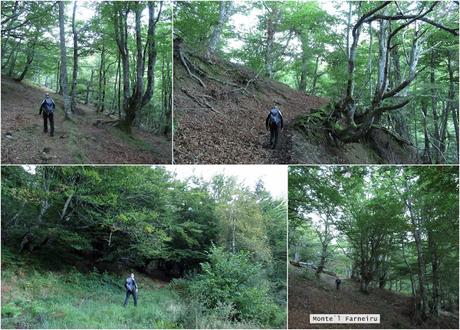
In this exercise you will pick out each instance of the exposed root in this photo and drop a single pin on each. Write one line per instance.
(197, 99)
(184, 61)
(396, 136)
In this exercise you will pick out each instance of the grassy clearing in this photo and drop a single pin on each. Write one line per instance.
(33, 297)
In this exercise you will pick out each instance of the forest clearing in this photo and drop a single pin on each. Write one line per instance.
(358, 82)
(206, 253)
(106, 65)
(389, 234)
(83, 140)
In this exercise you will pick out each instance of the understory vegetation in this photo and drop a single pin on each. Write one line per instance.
(390, 66)
(209, 254)
(386, 228)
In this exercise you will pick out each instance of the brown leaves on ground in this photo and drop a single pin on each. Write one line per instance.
(224, 122)
(311, 296)
(74, 142)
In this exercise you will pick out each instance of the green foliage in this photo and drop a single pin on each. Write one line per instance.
(112, 218)
(234, 287)
(70, 299)
(377, 212)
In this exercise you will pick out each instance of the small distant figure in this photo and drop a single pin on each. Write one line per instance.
(274, 122)
(47, 107)
(131, 289)
(337, 283)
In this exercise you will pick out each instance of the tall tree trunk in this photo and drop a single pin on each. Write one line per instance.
(101, 78)
(12, 52)
(133, 103)
(75, 60)
(437, 156)
(426, 157)
(315, 76)
(349, 28)
(224, 11)
(114, 100)
(304, 64)
(67, 109)
(58, 75)
(436, 282)
(89, 86)
(416, 231)
(30, 58)
(270, 39)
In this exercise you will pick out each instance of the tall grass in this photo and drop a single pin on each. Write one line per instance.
(34, 297)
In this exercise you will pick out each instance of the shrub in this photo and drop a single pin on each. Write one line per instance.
(233, 288)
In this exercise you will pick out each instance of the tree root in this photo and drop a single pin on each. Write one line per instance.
(196, 98)
(396, 136)
(184, 61)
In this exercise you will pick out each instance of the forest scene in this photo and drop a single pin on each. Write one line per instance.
(206, 253)
(388, 234)
(107, 68)
(356, 82)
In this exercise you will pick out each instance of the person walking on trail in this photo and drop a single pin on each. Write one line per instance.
(47, 107)
(337, 283)
(274, 122)
(131, 289)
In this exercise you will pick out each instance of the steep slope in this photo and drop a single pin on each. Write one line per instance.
(79, 141)
(308, 295)
(220, 110)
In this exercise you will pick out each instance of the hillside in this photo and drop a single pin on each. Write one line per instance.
(35, 296)
(308, 295)
(82, 140)
(220, 110)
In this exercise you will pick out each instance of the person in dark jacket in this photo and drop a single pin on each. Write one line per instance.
(274, 122)
(131, 289)
(47, 107)
(337, 283)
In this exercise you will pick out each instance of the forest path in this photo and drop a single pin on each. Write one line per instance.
(79, 141)
(310, 296)
(223, 122)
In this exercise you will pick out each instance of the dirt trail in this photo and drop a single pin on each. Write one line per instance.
(75, 142)
(224, 122)
(310, 296)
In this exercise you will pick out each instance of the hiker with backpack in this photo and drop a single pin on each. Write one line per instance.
(47, 107)
(274, 122)
(131, 289)
(337, 283)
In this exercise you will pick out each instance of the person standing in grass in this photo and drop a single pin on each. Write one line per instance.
(131, 289)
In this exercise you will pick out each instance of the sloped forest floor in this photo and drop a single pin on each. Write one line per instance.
(222, 120)
(308, 295)
(84, 140)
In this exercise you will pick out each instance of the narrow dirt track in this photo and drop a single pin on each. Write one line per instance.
(79, 141)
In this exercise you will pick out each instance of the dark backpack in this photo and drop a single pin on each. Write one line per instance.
(129, 285)
(48, 105)
(275, 116)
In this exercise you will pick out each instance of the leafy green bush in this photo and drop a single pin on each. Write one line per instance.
(232, 288)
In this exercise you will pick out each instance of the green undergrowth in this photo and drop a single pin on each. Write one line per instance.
(35, 297)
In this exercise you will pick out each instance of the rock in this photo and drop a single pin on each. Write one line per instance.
(8, 135)
(46, 150)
